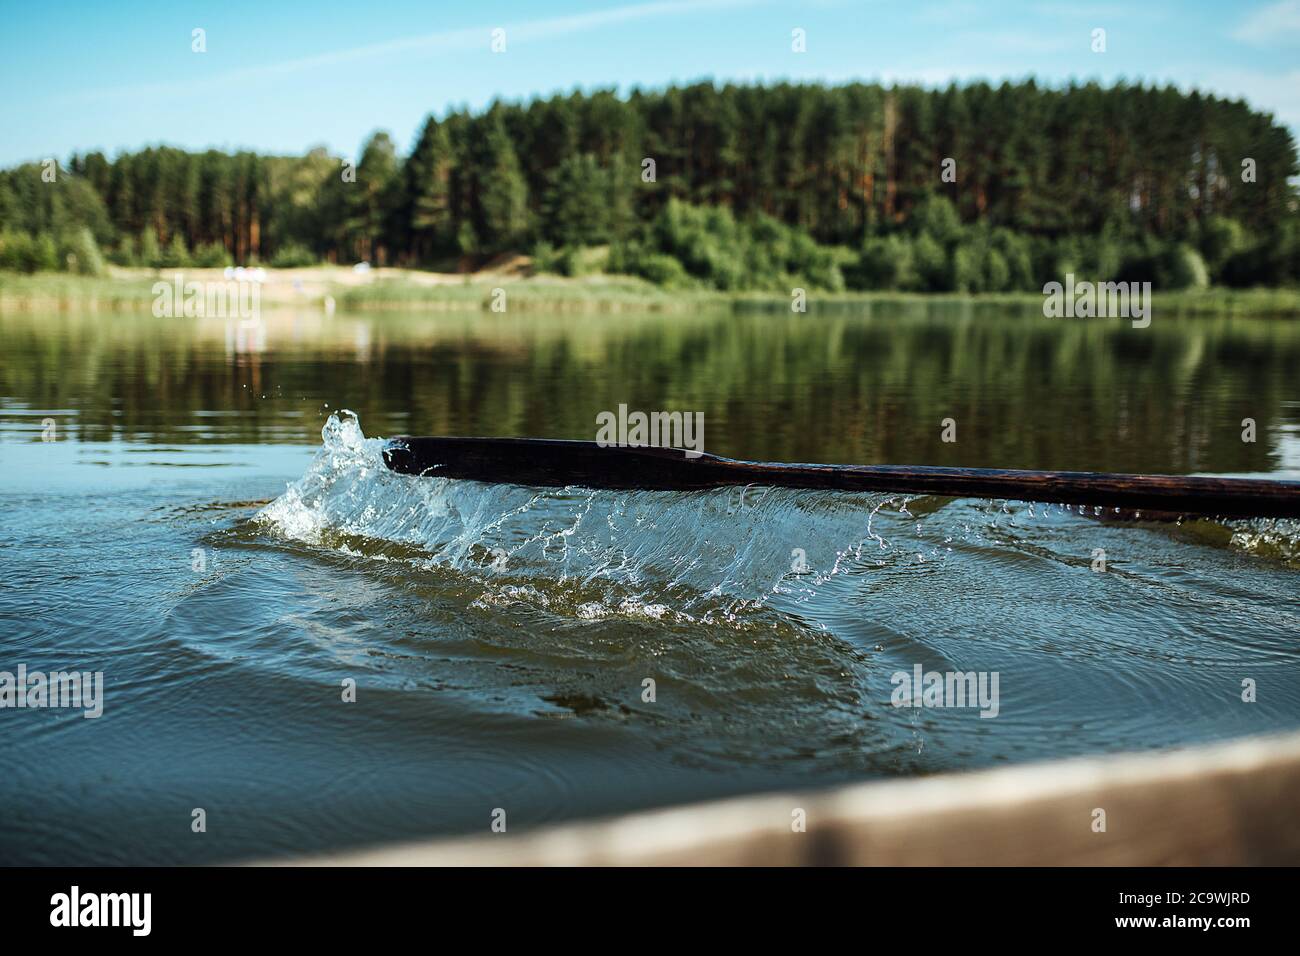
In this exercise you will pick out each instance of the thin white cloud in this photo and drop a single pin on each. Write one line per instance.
(464, 40)
(1276, 24)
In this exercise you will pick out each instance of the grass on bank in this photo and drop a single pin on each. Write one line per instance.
(534, 294)
(61, 290)
(133, 290)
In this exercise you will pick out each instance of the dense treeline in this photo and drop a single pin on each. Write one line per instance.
(734, 187)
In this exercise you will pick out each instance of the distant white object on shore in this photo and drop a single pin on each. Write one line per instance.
(240, 274)
(329, 305)
(361, 267)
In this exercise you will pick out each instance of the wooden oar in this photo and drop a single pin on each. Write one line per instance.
(548, 463)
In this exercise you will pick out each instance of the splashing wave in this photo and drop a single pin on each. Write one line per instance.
(727, 555)
(777, 617)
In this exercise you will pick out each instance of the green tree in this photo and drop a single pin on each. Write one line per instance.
(430, 222)
(577, 207)
(502, 194)
(83, 255)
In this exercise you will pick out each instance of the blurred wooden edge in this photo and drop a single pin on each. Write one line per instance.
(1227, 804)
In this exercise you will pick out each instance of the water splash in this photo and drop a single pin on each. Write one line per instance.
(722, 555)
(773, 619)
(731, 555)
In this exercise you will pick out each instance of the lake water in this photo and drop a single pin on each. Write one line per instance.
(191, 534)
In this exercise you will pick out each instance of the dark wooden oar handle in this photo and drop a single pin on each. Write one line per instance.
(548, 463)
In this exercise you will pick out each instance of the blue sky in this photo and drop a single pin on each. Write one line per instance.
(284, 76)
